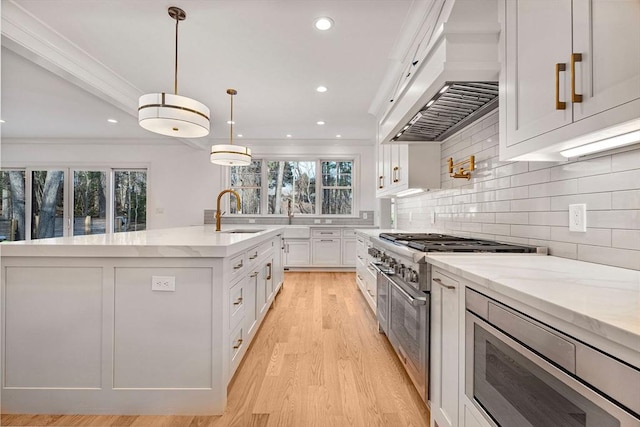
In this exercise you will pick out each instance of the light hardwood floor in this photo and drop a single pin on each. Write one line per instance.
(318, 360)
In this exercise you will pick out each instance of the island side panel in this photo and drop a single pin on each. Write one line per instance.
(160, 352)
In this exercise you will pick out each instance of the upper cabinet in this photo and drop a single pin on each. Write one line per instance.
(570, 74)
(403, 168)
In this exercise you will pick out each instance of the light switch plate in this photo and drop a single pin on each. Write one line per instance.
(316, 221)
(578, 218)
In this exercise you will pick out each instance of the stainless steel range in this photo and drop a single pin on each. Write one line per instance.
(404, 285)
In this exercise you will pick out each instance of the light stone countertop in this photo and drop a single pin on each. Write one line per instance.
(598, 298)
(183, 242)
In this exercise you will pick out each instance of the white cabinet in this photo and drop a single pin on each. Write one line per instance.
(297, 252)
(365, 276)
(326, 251)
(407, 166)
(570, 68)
(348, 252)
(278, 262)
(445, 349)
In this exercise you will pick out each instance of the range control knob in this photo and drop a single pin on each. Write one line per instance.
(413, 276)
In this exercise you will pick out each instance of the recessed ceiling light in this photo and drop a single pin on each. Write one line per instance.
(320, 122)
(240, 135)
(338, 136)
(112, 120)
(288, 135)
(321, 89)
(324, 23)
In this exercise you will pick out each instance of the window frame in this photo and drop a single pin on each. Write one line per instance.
(264, 176)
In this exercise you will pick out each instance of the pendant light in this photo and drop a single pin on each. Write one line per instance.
(172, 114)
(229, 154)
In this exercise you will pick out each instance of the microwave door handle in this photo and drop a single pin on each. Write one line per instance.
(416, 302)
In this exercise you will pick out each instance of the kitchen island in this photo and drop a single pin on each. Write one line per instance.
(147, 322)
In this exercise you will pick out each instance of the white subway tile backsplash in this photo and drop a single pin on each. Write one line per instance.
(624, 258)
(528, 178)
(629, 219)
(555, 188)
(625, 199)
(625, 161)
(597, 166)
(597, 201)
(627, 180)
(530, 205)
(528, 202)
(626, 239)
(512, 218)
(531, 231)
(593, 236)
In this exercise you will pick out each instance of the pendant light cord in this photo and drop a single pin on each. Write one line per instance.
(175, 81)
(231, 132)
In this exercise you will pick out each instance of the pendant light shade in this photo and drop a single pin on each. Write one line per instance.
(229, 154)
(172, 114)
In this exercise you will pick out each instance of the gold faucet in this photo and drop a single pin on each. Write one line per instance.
(218, 214)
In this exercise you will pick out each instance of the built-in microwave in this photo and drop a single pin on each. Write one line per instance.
(520, 372)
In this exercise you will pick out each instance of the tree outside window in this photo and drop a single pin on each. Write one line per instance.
(337, 189)
(292, 183)
(247, 181)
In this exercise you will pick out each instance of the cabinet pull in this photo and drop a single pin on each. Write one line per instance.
(326, 232)
(254, 274)
(238, 266)
(254, 256)
(440, 282)
(381, 182)
(239, 343)
(575, 57)
(238, 301)
(269, 273)
(395, 174)
(560, 105)
(326, 240)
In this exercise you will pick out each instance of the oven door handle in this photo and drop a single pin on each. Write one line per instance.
(416, 302)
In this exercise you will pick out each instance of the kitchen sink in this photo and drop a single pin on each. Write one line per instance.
(243, 231)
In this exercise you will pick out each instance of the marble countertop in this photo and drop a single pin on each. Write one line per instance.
(196, 241)
(601, 299)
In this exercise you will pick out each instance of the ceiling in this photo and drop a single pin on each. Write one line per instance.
(266, 49)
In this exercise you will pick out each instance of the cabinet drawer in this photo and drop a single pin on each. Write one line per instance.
(348, 232)
(440, 279)
(255, 253)
(327, 252)
(236, 345)
(236, 304)
(236, 266)
(326, 232)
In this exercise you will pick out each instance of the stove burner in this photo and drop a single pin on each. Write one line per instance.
(408, 237)
(432, 242)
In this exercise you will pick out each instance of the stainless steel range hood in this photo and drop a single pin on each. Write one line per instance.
(447, 76)
(455, 106)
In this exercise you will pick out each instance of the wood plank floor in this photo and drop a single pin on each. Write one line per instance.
(318, 360)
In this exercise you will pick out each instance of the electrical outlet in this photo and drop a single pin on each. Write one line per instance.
(433, 217)
(578, 218)
(163, 283)
(364, 215)
(252, 221)
(410, 216)
(316, 221)
(328, 221)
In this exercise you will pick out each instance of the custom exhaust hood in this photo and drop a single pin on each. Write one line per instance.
(447, 76)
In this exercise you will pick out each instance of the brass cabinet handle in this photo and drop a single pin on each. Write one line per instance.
(381, 183)
(560, 105)
(237, 346)
(236, 267)
(254, 256)
(269, 274)
(395, 174)
(575, 57)
(254, 274)
(440, 282)
(238, 301)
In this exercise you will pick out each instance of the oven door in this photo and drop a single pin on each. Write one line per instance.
(382, 300)
(512, 386)
(409, 332)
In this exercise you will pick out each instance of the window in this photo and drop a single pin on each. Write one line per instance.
(337, 190)
(291, 187)
(42, 203)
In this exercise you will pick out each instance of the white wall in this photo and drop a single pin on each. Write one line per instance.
(528, 202)
(182, 183)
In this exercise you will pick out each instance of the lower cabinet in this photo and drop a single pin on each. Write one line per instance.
(445, 349)
(348, 252)
(326, 251)
(297, 252)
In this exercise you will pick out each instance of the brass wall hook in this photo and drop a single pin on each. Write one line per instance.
(462, 173)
